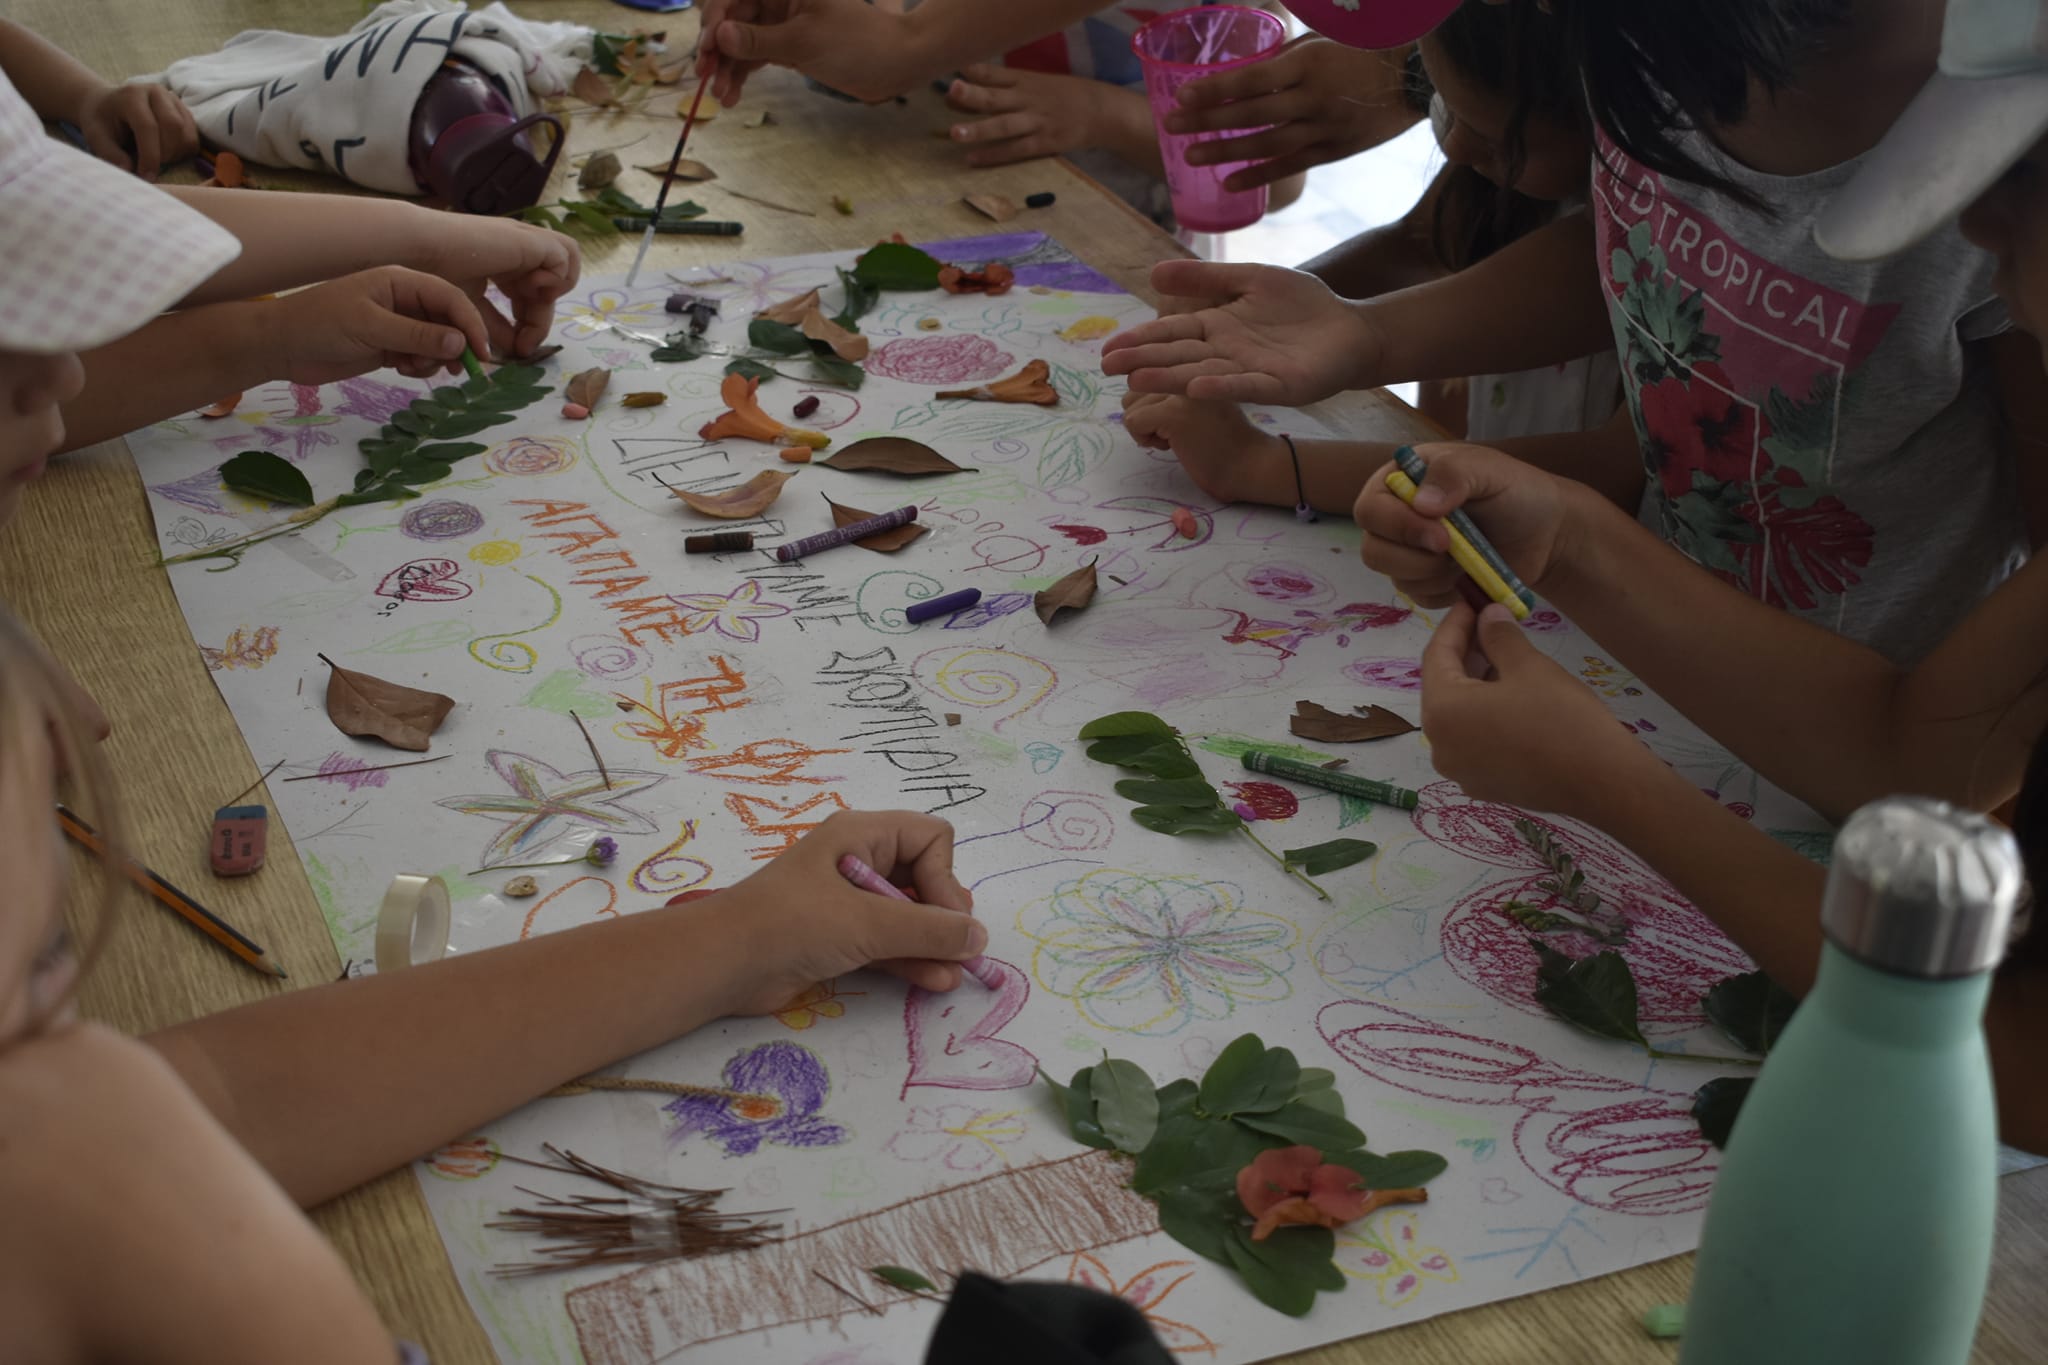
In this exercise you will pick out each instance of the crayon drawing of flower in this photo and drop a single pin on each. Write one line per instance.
(545, 803)
(602, 308)
(1145, 1291)
(242, 649)
(1384, 1251)
(736, 616)
(957, 1136)
(819, 1001)
(1150, 955)
(733, 1117)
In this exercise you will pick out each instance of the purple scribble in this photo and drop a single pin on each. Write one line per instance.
(349, 772)
(200, 491)
(1037, 259)
(1545, 620)
(993, 607)
(1403, 675)
(441, 519)
(784, 1071)
(303, 440)
(372, 399)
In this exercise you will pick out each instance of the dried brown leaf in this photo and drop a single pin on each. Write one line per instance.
(995, 206)
(644, 400)
(751, 498)
(881, 542)
(401, 716)
(892, 455)
(1071, 593)
(791, 311)
(599, 171)
(1311, 721)
(848, 346)
(587, 387)
(685, 169)
(591, 87)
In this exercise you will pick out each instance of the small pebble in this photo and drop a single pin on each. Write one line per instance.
(797, 454)
(575, 410)
(1043, 200)
(519, 888)
(806, 405)
(1185, 523)
(952, 718)
(929, 324)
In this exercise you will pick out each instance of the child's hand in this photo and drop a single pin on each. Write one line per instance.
(1256, 334)
(1031, 114)
(804, 923)
(139, 127)
(1313, 102)
(850, 45)
(409, 321)
(1524, 511)
(1508, 725)
(530, 265)
(1228, 458)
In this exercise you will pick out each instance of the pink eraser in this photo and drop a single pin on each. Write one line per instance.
(241, 834)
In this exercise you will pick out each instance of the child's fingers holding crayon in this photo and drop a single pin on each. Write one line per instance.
(404, 319)
(1409, 548)
(1524, 514)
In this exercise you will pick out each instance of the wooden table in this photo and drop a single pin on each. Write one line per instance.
(76, 566)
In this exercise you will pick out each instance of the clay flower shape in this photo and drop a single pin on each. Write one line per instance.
(744, 420)
(1291, 1185)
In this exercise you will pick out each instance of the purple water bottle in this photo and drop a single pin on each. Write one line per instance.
(470, 148)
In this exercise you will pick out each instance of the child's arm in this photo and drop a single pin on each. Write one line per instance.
(1261, 334)
(1831, 721)
(1031, 114)
(182, 361)
(290, 240)
(1396, 255)
(139, 128)
(430, 1054)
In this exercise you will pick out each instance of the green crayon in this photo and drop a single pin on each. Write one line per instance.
(1386, 793)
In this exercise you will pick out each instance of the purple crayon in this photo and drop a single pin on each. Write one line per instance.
(919, 612)
(867, 879)
(841, 535)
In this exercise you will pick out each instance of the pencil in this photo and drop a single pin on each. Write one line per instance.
(867, 879)
(1416, 468)
(195, 914)
(1466, 554)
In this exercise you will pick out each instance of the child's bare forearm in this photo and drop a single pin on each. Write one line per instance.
(289, 240)
(1607, 459)
(176, 364)
(1124, 125)
(55, 84)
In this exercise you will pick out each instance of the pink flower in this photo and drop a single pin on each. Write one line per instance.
(1294, 1185)
(940, 360)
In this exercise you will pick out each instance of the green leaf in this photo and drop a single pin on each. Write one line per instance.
(1126, 1104)
(1202, 1221)
(1307, 1125)
(1716, 1104)
(604, 53)
(1170, 1158)
(1543, 921)
(613, 201)
(1596, 993)
(1181, 820)
(1078, 1101)
(448, 452)
(897, 1277)
(861, 297)
(1181, 791)
(1317, 859)
(537, 213)
(589, 216)
(1752, 1009)
(470, 423)
(1315, 1078)
(1221, 1149)
(1125, 723)
(1176, 1098)
(261, 474)
(777, 338)
(677, 349)
(1146, 754)
(750, 368)
(1285, 1271)
(832, 370)
(1393, 1171)
(893, 265)
(1248, 1077)
(416, 473)
(688, 208)
(1329, 1101)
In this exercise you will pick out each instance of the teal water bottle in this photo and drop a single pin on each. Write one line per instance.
(1852, 1219)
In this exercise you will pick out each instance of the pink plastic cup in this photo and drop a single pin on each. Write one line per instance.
(1175, 49)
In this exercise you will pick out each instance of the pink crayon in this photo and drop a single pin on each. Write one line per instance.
(867, 879)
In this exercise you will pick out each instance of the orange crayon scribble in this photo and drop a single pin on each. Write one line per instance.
(784, 834)
(1145, 1291)
(780, 762)
(821, 1001)
(674, 731)
(609, 910)
(242, 649)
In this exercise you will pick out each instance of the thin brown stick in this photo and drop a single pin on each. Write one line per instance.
(257, 783)
(584, 1085)
(866, 1307)
(765, 203)
(601, 772)
(381, 767)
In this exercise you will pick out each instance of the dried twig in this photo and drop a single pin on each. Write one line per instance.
(765, 203)
(257, 783)
(601, 772)
(865, 1305)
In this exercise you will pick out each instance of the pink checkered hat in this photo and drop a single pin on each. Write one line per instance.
(88, 253)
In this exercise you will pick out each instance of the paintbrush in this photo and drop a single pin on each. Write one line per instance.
(661, 199)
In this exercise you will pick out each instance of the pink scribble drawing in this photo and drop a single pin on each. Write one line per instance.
(1611, 1144)
(347, 771)
(1283, 582)
(1286, 637)
(425, 580)
(1676, 953)
(953, 1040)
(941, 360)
(1403, 675)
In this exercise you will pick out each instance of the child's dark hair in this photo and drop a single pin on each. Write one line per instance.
(1655, 69)
(1518, 52)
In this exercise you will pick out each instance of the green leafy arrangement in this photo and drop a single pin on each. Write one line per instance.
(1192, 1140)
(897, 267)
(1174, 798)
(1598, 993)
(596, 214)
(417, 447)
(773, 341)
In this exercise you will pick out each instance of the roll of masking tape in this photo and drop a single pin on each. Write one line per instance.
(412, 924)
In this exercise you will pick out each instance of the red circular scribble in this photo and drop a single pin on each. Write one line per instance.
(940, 360)
(1268, 800)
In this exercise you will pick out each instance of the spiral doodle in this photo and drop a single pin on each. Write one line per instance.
(608, 657)
(669, 871)
(1072, 822)
(441, 519)
(898, 588)
(990, 679)
(527, 456)
(508, 654)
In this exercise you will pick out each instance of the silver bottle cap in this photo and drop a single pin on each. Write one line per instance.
(1921, 888)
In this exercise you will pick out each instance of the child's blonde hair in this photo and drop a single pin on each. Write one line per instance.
(32, 698)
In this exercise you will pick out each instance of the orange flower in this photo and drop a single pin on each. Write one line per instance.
(1295, 1185)
(1029, 385)
(745, 420)
(992, 279)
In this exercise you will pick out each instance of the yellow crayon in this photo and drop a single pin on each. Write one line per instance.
(1468, 558)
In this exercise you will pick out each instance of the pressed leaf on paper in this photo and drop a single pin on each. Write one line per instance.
(1072, 593)
(261, 474)
(750, 499)
(1311, 721)
(851, 347)
(1752, 1009)
(1126, 1104)
(1317, 859)
(897, 1277)
(881, 542)
(1029, 385)
(892, 455)
(897, 266)
(1716, 1104)
(1597, 993)
(587, 386)
(401, 716)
